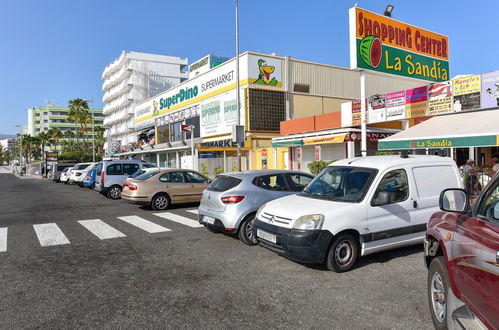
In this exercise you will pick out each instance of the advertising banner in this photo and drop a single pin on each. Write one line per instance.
(395, 106)
(439, 98)
(466, 93)
(356, 115)
(490, 90)
(219, 114)
(377, 110)
(382, 44)
(416, 102)
(51, 156)
(265, 71)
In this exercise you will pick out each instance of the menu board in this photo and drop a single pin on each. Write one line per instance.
(466, 93)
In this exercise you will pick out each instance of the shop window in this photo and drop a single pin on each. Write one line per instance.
(193, 121)
(266, 109)
(176, 132)
(301, 88)
(163, 134)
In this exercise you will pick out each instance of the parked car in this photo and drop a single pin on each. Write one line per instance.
(462, 256)
(110, 175)
(356, 207)
(65, 174)
(231, 201)
(58, 170)
(89, 180)
(161, 188)
(79, 172)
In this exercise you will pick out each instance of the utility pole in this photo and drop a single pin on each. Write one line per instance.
(237, 87)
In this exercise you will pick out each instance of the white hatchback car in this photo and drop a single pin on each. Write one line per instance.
(356, 207)
(65, 174)
(79, 172)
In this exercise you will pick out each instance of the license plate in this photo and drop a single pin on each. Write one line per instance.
(208, 220)
(266, 236)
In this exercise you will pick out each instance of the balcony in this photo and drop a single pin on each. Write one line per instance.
(117, 78)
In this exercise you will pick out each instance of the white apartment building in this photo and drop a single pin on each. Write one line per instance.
(129, 79)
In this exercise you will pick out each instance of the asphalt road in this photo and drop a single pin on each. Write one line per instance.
(183, 278)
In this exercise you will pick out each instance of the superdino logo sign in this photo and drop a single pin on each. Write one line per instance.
(382, 44)
(265, 73)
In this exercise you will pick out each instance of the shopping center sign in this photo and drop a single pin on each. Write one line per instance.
(382, 44)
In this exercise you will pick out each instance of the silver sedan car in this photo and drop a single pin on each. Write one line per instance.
(231, 201)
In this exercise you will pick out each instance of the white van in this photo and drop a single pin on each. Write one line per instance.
(357, 206)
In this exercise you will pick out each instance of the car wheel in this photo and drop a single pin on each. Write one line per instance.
(342, 253)
(160, 202)
(245, 233)
(114, 192)
(438, 292)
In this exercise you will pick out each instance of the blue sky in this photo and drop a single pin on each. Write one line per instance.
(57, 49)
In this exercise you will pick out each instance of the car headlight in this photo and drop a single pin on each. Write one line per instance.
(260, 211)
(309, 222)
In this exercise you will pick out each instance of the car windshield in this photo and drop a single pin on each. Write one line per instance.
(341, 183)
(146, 175)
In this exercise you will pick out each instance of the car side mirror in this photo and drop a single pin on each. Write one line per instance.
(454, 200)
(382, 198)
(496, 211)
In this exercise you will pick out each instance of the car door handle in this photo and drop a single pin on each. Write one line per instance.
(415, 204)
(497, 256)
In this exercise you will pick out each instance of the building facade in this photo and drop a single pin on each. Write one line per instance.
(128, 80)
(273, 89)
(42, 119)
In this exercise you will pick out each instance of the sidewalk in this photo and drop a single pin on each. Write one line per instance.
(28, 176)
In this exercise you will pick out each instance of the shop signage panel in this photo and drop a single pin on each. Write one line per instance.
(395, 106)
(209, 84)
(382, 44)
(470, 141)
(356, 112)
(51, 156)
(178, 116)
(376, 111)
(265, 71)
(416, 102)
(490, 90)
(466, 93)
(439, 98)
(218, 114)
(327, 139)
(371, 136)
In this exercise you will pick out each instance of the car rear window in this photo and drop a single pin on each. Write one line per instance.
(224, 183)
(61, 167)
(146, 175)
(81, 167)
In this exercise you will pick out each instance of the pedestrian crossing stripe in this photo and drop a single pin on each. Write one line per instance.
(193, 211)
(101, 229)
(179, 219)
(144, 224)
(50, 234)
(3, 239)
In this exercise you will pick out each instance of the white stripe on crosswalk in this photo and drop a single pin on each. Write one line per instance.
(3, 239)
(144, 224)
(50, 234)
(193, 211)
(101, 229)
(179, 219)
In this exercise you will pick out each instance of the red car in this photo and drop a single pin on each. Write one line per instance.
(462, 256)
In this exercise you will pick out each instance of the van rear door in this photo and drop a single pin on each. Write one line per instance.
(429, 182)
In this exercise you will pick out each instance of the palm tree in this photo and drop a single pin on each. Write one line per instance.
(99, 139)
(55, 135)
(26, 145)
(78, 114)
(3, 152)
(43, 140)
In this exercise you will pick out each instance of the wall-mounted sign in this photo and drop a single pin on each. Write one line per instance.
(452, 142)
(178, 116)
(416, 102)
(439, 98)
(382, 44)
(265, 71)
(356, 112)
(376, 112)
(395, 106)
(218, 114)
(51, 156)
(371, 136)
(490, 90)
(326, 139)
(466, 93)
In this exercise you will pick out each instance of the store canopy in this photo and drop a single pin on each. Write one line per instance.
(467, 129)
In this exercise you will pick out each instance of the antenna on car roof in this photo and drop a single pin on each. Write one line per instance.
(404, 154)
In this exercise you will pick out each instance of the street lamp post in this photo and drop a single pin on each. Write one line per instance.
(237, 87)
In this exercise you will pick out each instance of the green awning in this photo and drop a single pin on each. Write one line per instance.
(287, 144)
(467, 129)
